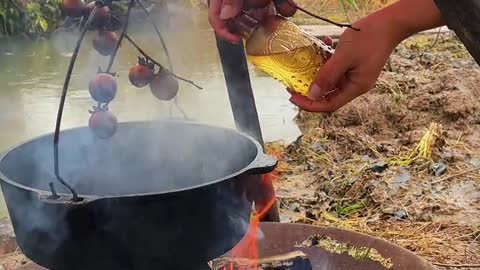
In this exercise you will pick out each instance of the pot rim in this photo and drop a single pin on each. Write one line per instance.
(89, 198)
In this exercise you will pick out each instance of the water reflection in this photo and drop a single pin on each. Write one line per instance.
(32, 75)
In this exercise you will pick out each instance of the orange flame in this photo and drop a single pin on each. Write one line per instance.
(248, 248)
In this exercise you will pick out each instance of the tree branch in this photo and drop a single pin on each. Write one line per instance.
(325, 19)
(164, 45)
(127, 37)
(119, 42)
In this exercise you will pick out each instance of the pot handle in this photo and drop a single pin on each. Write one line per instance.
(262, 164)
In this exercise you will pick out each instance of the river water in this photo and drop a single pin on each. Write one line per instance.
(32, 74)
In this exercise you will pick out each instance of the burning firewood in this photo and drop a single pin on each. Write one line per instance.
(295, 260)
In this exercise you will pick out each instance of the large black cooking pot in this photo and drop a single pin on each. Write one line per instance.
(158, 195)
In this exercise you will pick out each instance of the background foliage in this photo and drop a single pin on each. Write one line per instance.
(28, 17)
(35, 17)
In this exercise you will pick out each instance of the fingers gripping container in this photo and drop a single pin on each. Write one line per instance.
(282, 50)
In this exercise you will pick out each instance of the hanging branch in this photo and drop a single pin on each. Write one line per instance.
(324, 19)
(120, 39)
(62, 104)
(170, 65)
(127, 37)
(164, 45)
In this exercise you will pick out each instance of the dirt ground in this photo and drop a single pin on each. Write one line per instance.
(400, 162)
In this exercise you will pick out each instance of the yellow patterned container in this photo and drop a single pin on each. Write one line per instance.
(282, 50)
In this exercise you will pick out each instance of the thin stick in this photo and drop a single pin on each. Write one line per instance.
(325, 19)
(184, 114)
(456, 175)
(165, 50)
(120, 39)
(164, 45)
(62, 104)
(457, 265)
(473, 241)
(127, 37)
(436, 38)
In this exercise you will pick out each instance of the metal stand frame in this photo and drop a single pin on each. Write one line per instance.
(242, 101)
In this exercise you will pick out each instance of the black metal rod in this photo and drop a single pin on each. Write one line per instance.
(237, 79)
(62, 104)
(242, 101)
(54, 195)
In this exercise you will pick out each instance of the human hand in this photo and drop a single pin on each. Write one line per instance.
(350, 72)
(361, 55)
(221, 10)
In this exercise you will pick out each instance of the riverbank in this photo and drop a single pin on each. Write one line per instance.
(33, 19)
(400, 163)
(40, 18)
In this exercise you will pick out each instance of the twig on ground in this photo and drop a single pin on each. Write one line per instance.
(457, 265)
(436, 38)
(455, 175)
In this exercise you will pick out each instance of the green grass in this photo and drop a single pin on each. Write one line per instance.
(348, 210)
(337, 10)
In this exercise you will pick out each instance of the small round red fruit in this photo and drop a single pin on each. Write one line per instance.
(140, 75)
(102, 15)
(103, 88)
(285, 8)
(72, 8)
(105, 42)
(103, 123)
(164, 86)
(328, 41)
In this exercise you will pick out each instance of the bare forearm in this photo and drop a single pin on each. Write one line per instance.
(414, 16)
(407, 17)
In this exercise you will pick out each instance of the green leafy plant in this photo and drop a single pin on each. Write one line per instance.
(347, 210)
(29, 17)
(353, 4)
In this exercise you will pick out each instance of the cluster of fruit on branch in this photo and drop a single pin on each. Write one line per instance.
(103, 87)
(98, 15)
